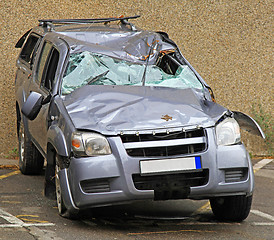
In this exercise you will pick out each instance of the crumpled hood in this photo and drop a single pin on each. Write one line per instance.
(112, 109)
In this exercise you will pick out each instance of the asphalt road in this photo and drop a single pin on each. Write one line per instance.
(26, 214)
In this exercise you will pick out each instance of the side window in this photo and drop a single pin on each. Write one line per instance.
(47, 66)
(51, 69)
(29, 49)
(42, 61)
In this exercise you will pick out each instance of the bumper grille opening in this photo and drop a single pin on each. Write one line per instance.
(236, 175)
(169, 194)
(171, 181)
(95, 185)
(189, 147)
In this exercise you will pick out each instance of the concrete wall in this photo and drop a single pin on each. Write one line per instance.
(228, 42)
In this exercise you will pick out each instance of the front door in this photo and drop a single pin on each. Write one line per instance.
(43, 83)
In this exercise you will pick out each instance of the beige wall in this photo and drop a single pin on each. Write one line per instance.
(230, 43)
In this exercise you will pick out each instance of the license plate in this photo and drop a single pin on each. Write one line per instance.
(170, 165)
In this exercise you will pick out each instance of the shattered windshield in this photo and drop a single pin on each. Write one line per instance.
(96, 69)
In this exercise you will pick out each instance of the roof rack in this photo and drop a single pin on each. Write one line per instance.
(49, 23)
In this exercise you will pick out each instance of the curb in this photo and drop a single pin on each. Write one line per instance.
(8, 162)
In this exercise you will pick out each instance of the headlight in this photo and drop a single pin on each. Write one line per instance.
(228, 132)
(89, 144)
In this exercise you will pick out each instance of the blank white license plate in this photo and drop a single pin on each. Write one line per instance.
(170, 165)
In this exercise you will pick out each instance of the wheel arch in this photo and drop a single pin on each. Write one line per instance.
(18, 117)
(56, 145)
(57, 141)
(20, 99)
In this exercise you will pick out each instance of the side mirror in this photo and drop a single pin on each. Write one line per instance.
(32, 106)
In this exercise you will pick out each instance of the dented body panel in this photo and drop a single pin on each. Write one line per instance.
(114, 109)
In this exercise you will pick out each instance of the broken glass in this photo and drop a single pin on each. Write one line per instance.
(97, 69)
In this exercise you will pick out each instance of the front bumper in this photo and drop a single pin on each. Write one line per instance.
(108, 180)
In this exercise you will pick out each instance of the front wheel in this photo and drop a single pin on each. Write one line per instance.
(31, 160)
(63, 211)
(232, 208)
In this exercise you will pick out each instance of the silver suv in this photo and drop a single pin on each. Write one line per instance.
(120, 115)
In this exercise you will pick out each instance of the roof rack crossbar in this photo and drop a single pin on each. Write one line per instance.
(83, 21)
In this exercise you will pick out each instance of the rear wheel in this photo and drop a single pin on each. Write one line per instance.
(30, 159)
(232, 208)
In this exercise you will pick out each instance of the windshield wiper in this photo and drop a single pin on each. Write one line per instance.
(147, 60)
(97, 77)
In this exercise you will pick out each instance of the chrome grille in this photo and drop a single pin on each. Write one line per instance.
(165, 144)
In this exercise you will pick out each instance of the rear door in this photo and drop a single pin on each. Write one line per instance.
(25, 61)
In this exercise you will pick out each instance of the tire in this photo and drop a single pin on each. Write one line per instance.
(63, 211)
(232, 208)
(31, 161)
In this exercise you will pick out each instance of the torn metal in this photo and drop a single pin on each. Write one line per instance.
(248, 123)
(133, 46)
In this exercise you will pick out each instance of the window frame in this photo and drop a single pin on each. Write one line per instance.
(29, 56)
(41, 79)
(47, 70)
